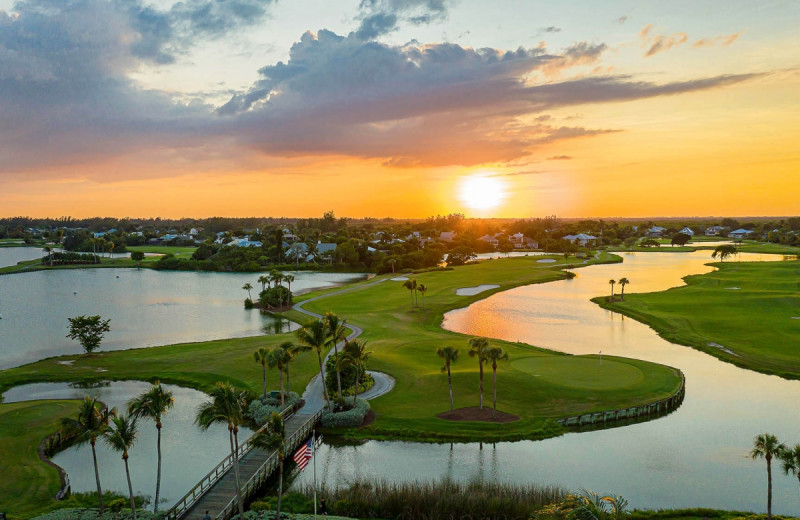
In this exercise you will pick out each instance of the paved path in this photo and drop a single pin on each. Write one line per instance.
(313, 394)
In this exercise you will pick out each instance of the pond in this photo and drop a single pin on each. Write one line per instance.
(146, 308)
(694, 457)
(188, 452)
(14, 255)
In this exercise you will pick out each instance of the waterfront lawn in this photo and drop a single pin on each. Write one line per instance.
(746, 307)
(537, 385)
(28, 486)
(178, 251)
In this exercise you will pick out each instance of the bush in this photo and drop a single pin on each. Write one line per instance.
(248, 303)
(347, 419)
(275, 296)
(348, 375)
(260, 409)
(291, 503)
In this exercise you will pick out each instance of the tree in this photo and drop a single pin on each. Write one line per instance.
(766, 446)
(263, 280)
(450, 356)
(422, 289)
(411, 285)
(89, 331)
(681, 239)
(152, 405)
(248, 287)
(226, 406)
(504, 245)
(337, 332)
(791, 461)
(622, 283)
(292, 350)
(91, 423)
(274, 439)
(262, 356)
(315, 335)
(120, 437)
(288, 278)
(724, 251)
(49, 251)
(279, 358)
(477, 349)
(611, 283)
(137, 256)
(358, 354)
(495, 354)
(391, 262)
(460, 255)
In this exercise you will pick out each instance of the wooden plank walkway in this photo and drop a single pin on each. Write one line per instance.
(223, 491)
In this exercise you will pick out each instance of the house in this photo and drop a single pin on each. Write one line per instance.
(244, 242)
(739, 233)
(656, 231)
(581, 239)
(195, 231)
(713, 231)
(530, 243)
(490, 240)
(447, 236)
(686, 231)
(288, 235)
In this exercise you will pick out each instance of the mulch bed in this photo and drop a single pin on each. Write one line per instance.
(368, 419)
(474, 413)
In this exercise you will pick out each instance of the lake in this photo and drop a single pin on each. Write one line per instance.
(146, 308)
(14, 255)
(694, 457)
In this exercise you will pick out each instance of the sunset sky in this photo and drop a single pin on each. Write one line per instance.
(401, 108)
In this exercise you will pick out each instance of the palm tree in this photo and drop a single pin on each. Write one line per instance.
(495, 354)
(262, 356)
(292, 350)
(226, 406)
(766, 446)
(279, 358)
(275, 277)
(450, 356)
(392, 261)
(288, 278)
(337, 333)
(791, 461)
(622, 283)
(358, 354)
(315, 335)
(421, 288)
(152, 405)
(411, 285)
(274, 439)
(611, 283)
(477, 349)
(120, 437)
(248, 287)
(263, 280)
(92, 422)
(49, 251)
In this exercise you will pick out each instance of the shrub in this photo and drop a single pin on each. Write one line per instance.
(347, 419)
(348, 375)
(275, 296)
(291, 503)
(260, 409)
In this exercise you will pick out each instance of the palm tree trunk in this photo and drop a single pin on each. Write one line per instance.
(280, 488)
(494, 381)
(480, 364)
(130, 487)
(97, 477)
(235, 453)
(283, 403)
(289, 388)
(412, 299)
(322, 375)
(769, 489)
(355, 389)
(158, 474)
(338, 374)
(450, 384)
(264, 371)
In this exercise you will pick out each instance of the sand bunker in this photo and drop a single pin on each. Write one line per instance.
(546, 261)
(472, 291)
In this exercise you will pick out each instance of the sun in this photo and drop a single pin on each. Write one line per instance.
(482, 192)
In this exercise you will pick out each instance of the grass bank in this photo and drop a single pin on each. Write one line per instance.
(537, 385)
(746, 313)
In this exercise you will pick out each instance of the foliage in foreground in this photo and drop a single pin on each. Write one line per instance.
(260, 409)
(125, 514)
(439, 499)
(347, 419)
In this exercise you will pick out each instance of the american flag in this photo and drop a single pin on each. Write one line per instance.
(303, 455)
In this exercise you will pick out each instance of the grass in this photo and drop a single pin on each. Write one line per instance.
(28, 487)
(178, 251)
(538, 385)
(37, 265)
(747, 307)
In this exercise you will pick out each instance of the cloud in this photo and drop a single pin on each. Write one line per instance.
(559, 158)
(658, 43)
(376, 25)
(550, 29)
(722, 41)
(621, 20)
(582, 53)
(379, 17)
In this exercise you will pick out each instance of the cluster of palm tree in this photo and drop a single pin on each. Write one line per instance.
(479, 349)
(414, 287)
(622, 283)
(279, 357)
(767, 446)
(274, 278)
(95, 421)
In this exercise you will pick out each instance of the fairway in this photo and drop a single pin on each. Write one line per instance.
(589, 373)
(744, 313)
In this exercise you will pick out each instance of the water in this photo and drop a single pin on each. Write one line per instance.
(146, 308)
(14, 255)
(188, 453)
(694, 457)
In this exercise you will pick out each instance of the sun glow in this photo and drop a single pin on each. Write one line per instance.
(482, 192)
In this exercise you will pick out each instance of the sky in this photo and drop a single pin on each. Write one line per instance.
(399, 108)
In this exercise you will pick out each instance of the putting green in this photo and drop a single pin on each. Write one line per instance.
(589, 373)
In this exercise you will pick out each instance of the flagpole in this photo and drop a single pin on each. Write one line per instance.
(314, 461)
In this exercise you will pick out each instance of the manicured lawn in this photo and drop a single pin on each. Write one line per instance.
(179, 252)
(747, 307)
(27, 486)
(537, 385)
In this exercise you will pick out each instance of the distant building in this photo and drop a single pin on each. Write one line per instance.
(581, 239)
(490, 240)
(739, 233)
(687, 231)
(656, 231)
(244, 242)
(713, 231)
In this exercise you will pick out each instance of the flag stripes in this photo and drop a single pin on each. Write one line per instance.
(303, 455)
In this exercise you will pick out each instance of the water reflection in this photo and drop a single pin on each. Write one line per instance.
(694, 457)
(15, 255)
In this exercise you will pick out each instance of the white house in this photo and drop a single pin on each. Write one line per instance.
(713, 231)
(656, 231)
(687, 231)
(582, 239)
(739, 233)
(244, 242)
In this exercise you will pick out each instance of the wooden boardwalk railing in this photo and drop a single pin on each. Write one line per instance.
(218, 473)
